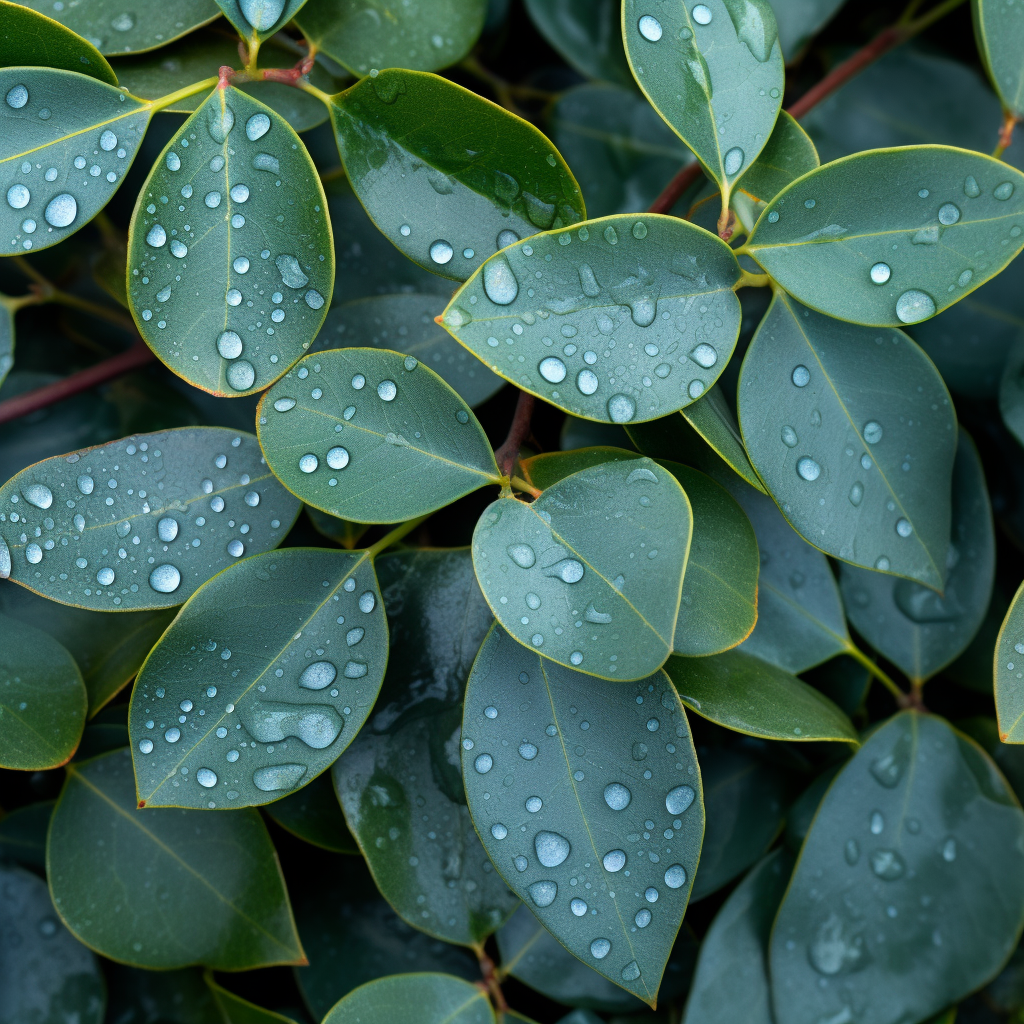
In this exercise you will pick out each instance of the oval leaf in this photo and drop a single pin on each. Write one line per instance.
(569, 575)
(1009, 671)
(227, 909)
(586, 33)
(854, 434)
(449, 206)
(344, 436)
(999, 31)
(661, 285)
(581, 752)
(918, 846)
(874, 221)
(788, 154)
(257, 20)
(414, 999)
(269, 714)
(314, 815)
(232, 213)
(141, 522)
(714, 72)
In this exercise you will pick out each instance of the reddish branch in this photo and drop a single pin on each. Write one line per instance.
(1010, 121)
(507, 454)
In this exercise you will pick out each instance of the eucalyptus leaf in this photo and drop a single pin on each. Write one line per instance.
(257, 20)
(62, 168)
(314, 815)
(860, 474)
(716, 424)
(45, 974)
(741, 692)
(423, 35)
(858, 239)
(908, 893)
(164, 866)
(23, 834)
(714, 72)
(648, 280)
(345, 456)
(228, 235)
(6, 337)
(28, 38)
(414, 999)
(917, 629)
(138, 524)
(586, 33)
(236, 1010)
(1008, 671)
(260, 706)
(42, 699)
(447, 176)
(999, 31)
(788, 154)
(399, 782)
(584, 533)
(549, 468)
(406, 324)
(589, 747)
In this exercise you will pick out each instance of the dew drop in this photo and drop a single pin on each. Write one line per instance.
(913, 306)
(808, 469)
(552, 848)
(678, 799)
(675, 876)
(600, 948)
(650, 28)
(704, 355)
(632, 970)
(880, 273)
(441, 252)
(257, 126)
(872, 432)
(614, 860)
(949, 214)
(1003, 191)
(523, 555)
(578, 907)
(206, 778)
(17, 97)
(277, 777)
(241, 375)
(733, 161)
(856, 493)
(552, 369)
(903, 528)
(500, 283)
(543, 893)
(229, 345)
(971, 189)
(498, 830)
(167, 529)
(801, 376)
(617, 796)
(621, 408)
(587, 382)
(39, 495)
(789, 438)
(165, 579)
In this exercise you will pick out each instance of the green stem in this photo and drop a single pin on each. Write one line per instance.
(749, 280)
(521, 485)
(12, 303)
(395, 535)
(305, 86)
(190, 90)
(859, 656)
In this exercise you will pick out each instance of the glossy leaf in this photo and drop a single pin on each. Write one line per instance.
(42, 699)
(648, 280)
(999, 31)
(257, 20)
(731, 980)
(164, 865)
(260, 704)
(447, 176)
(859, 473)
(23, 834)
(788, 154)
(45, 974)
(908, 893)
(126, 511)
(1008, 672)
(714, 421)
(424, 35)
(399, 782)
(405, 323)
(314, 815)
(29, 38)
(80, 150)
(586, 753)
(343, 435)
(714, 72)
(231, 235)
(828, 238)
(236, 1010)
(912, 626)
(584, 533)
(414, 999)
(586, 33)
(6, 338)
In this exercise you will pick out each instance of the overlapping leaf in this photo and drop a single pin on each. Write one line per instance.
(314, 815)
(1009, 672)
(437, 998)
(257, 20)
(30, 39)
(6, 337)
(586, 33)
(999, 30)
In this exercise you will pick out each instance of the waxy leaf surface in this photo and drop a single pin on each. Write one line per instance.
(314, 815)
(259, 19)
(1008, 672)
(587, 33)
(999, 30)
(414, 999)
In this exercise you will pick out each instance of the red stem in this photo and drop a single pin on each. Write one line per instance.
(507, 454)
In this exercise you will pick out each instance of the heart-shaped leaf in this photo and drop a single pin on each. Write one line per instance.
(661, 286)
(66, 141)
(437, 998)
(854, 434)
(314, 815)
(713, 71)
(571, 577)
(42, 699)
(449, 203)
(909, 890)
(874, 221)
(270, 711)
(586, 33)
(141, 522)
(346, 424)
(999, 31)
(164, 864)
(227, 218)
(257, 20)
(912, 626)
(555, 827)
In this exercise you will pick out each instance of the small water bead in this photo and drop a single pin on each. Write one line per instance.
(621, 408)
(617, 796)
(808, 469)
(173, 734)
(240, 193)
(387, 390)
(650, 28)
(880, 273)
(80, 163)
(337, 458)
(237, 221)
(733, 161)
(600, 948)
(614, 860)
(79, 521)
(146, 746)
(483, 763)
(105, 577)
(675, 876)
(534, 804)
(543, 893)
(17, 97)
(206, 778)
(704, 355)
(500, 284)
(241, 265)
(552, 848)
(367, 602)
(527, 751)
(789, 438)
(441, 251)
(1003, 191)
(179, 249)
(856, 494)
(241, 375)
(28, 225)
(358, 382)
(523, 555)
(679, 799)
(229, 345)
(18, 197)
(39, 495)
(212, 200)
(157, 236)
(949, 214)
(586, 380)
(903, 528)
(236, 548)
(872, 432)
(284, 404)
(578, 906)
(499, 831)
(552, 369)
(521, 863)
(913, 306)
(801, 376)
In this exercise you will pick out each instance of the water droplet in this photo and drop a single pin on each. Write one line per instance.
(219, 121)
(17, 97)
(880, 273)
(229, 345)
(801, 376)
(949, 214)
(621, 408)
(872, 432)
(387, 390)
(180, 251)
(617, 796)
(600, 948)
(971, 189)
(39, 495)
(500, 283)
(241, 265)
(543, 893)
(146, 746)
(552, 849)
(165, 579)
(534, 804)
(552, 369)
(614, 860)
(337, 458)
(498, 830)
(789, 438)
(441, 251)
(173, 734)
(277, 777)
(257, 126)
(206, 778)
(679, 799)
(704, 355)
(808, 469)
(650, 28)
(527, 751)
(523, 555)
(290, 271)
(856, 493)
(587, 382)
(593, 615)
(318, 675)
(1003, 191)
(241, 375)
(483, 763)
(367, 602)
(949, 851)
(887, 865)
(903, 528)
(702, 14)
(733, 161)
(914, 306)
(18, 197)
(578, 907)
(675, 876)
(317, 726)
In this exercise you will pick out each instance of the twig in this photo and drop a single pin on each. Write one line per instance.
(1010, 121)
(507, 454)
(490, 982)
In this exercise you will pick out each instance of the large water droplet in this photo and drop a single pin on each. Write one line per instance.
(543, 893)
(441, 252)
(903, 528)
(523, 555)
(702, 14)
(317, 726)
(593, 615)
(552, 849)
(614, 860)
(219, 121)
(650, 28)
(338, 458)
(678, 799)
(621, 408)
(552, 369)
(498, 830)
(277, 777)
(18, 197)
(1003, 191)
(568, 570)
(17, 97)
(971, 189)
(887, 864)
(167, 529)
(675, 876)
(600, 948)
(733, 161)
(241, 375)
(39, 495)
(808, 469)
(856, 493)
(229, 345)
(483, 763)
(617, 796)
(632, 970)
(578, 907)
(165, 579)
(801, 376)
(704, 355)
(61, 210)
(587, 382)
(206, 778)
(318, 675)
(914, 306)
(500, 283)
(789, 438)
(873, 432)
(949, 214)
(290, 271)
(257, 126)
(880, 273)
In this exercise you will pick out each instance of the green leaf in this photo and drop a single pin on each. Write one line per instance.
(586, 34)
(1011, 390)
(341, 531)
(45, 975)
(191, 888)
(23, 834)
(405, 323)
(788, 154)
(31, 39)
(399, 782)
(802, 811)
(314, 815)
(424, 35)
(584, 533)
(841, 222)
(446, 175)
(349, 457)
(741, 692)
(76, 154)
(257, 20)
(714, 72)
(129, 26)
(999, 31)
(6, 337)
(228, 237)
(550, 468)
(648, 280)
(912, 626)
(42, 699)
(243, 720)
(236, 1010)
(916, 847)
(1009, 671)
(854, 434)
(419, 998)
(586, 752)
(845, 681)
(731, 980)
(92, 506)
(799, 20)
(139, 996)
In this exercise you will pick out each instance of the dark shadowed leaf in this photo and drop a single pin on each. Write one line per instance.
(587, 33)
(414, 999)
(802, 812)
(23, 834)
(1009, 672)
(257, 20)
(788, 154)
(544, 471)
(236, 1010)
(138, 996)
(999, 31)
(799, 20)
(314, 815)
(341, 531)
(6, 337)
(1011, 390)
